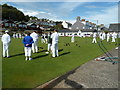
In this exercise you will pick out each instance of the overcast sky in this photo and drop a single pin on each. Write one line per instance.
(104, 12)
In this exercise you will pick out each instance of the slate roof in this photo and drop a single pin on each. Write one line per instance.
(77, 25)
(67, 30)
(114, 27)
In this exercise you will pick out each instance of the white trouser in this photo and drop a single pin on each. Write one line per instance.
(35, 47)
(5, 49)
(54, 49)
(113, 39)
(102, 38)
(72, 39)
(108, 39)
(49, 46)
(94, 40)
(42, 40)
(27, 51)
(46, 40)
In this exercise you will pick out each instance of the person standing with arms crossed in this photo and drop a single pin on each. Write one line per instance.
(6, 40)
(27, 41)
(54, 46)
(35, 36)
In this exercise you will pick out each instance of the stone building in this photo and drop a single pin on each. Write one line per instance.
(78, 25)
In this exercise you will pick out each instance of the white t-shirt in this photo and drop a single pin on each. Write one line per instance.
(55, 37)
(34, 36)
(94, 35)
(6, 38)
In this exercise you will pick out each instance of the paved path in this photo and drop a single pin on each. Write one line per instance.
(93, 74)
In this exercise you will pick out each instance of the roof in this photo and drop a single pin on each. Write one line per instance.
(67, 30)
(114, 27)
(77, 25)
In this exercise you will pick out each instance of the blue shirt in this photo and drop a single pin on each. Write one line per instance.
(28, 40)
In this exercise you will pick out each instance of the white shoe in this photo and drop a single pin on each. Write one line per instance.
(53, 56)
(30, 58)
(8, 56)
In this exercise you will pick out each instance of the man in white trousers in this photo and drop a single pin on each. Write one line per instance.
(113, 37)
(35, 36)
(6, 41)
(73, 38)
(27, 41)
(54, 46)
(94, 37)
(108, 37)
(103, 36)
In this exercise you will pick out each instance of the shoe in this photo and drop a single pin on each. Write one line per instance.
(26, 59)
(53, 56)
(30, 58)
(8, 56)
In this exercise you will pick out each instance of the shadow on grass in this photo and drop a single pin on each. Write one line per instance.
(60, 50)
(64, 53)
(42, 51)
(17, 54)
(71, 83)
(40, 56)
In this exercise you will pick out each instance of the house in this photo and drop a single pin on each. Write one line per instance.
(21, 25)
(31, 26)
(78, 25)
(114, 27)
(8, 23)
(66, 25)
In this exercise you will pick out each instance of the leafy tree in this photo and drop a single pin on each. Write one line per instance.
(58, 26)
(10, 12)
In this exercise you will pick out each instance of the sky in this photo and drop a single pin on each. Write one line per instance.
(103, 12)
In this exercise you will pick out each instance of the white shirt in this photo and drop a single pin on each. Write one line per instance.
(34, 36)
(94, 35)
(108, 35)
(55, 37)
(6, 38)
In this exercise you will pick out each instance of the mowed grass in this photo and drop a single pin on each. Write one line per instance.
(18, 73)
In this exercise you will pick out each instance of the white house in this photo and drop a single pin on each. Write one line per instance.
(66, 25)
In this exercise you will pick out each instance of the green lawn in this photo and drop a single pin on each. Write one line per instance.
(18, 73)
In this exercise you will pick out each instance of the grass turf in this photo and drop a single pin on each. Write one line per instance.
(18, 73)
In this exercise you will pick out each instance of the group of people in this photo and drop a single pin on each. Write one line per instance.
(17, 35)
(44, 38)
(104, 36)
(30, 42)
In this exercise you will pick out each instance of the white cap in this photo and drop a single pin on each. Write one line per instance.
(6, 31)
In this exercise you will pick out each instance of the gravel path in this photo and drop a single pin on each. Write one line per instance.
(93, 74)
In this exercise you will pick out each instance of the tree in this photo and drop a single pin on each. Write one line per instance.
(58, 26)
(10, 12)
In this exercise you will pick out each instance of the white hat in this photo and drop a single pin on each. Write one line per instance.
(6, 31)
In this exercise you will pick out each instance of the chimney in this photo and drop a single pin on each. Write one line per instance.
(78, 18)
(83, 19)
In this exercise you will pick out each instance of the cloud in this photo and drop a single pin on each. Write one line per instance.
(29, 12)
(39, 14)
(107, 16)
(60, 0)
(92, 6)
